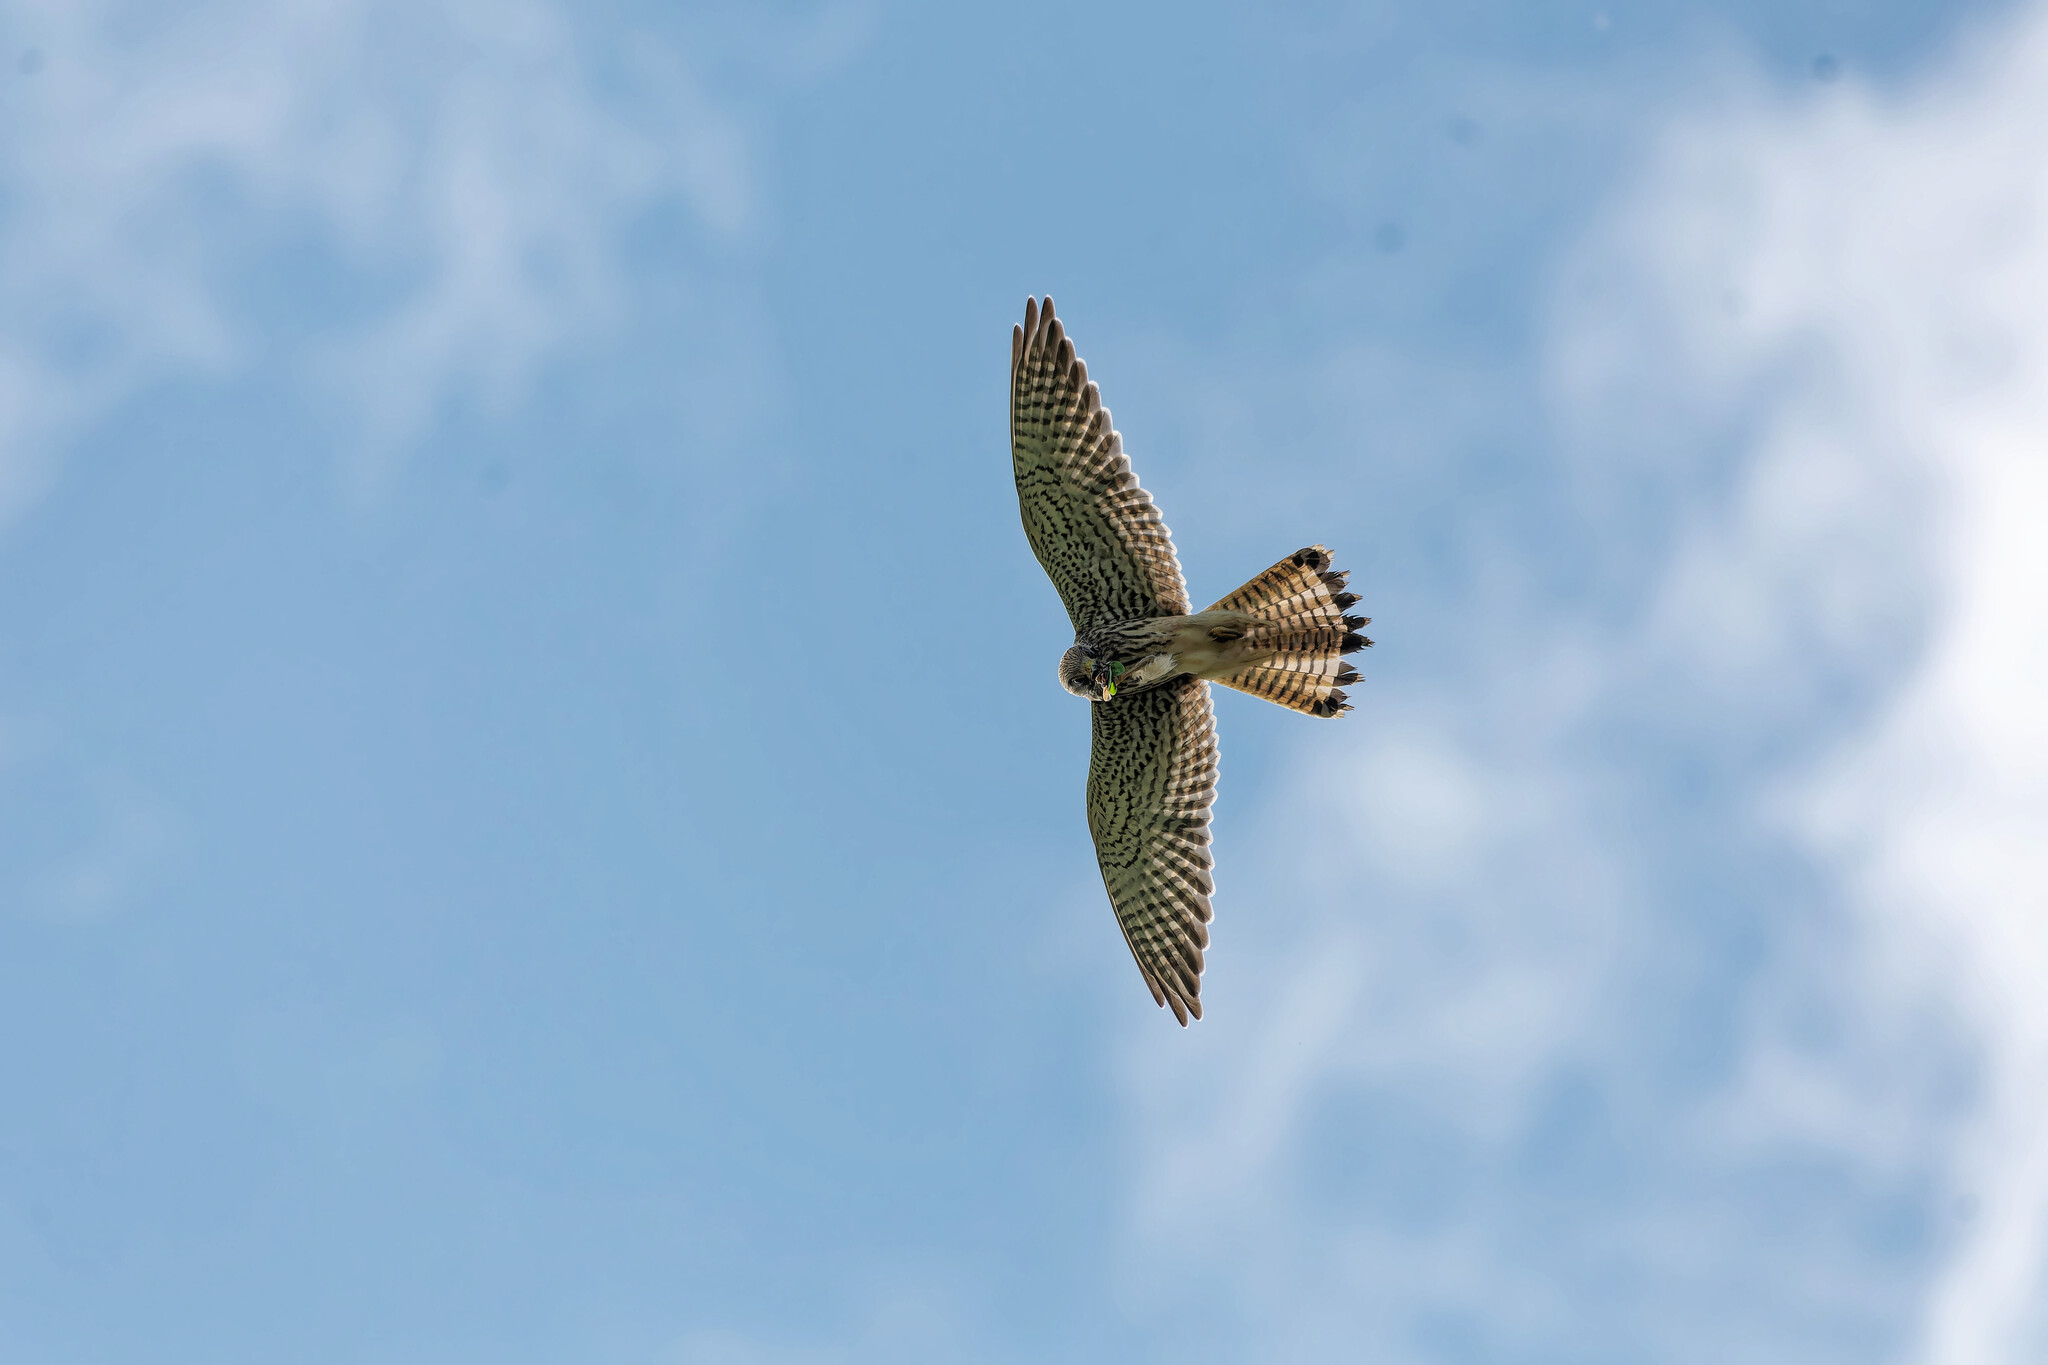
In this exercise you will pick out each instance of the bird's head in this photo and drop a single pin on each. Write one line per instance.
(1085, 675)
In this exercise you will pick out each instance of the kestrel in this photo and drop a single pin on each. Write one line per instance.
(1145, 663)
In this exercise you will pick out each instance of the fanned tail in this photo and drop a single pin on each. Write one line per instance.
(1297, 607)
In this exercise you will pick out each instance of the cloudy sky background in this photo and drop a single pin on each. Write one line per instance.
(511, 850)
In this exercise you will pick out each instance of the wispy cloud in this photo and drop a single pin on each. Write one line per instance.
(468, 170)
(1688, 953)
(1882, 271)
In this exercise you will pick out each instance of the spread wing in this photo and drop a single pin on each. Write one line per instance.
(1101, 540)
(1151, 781)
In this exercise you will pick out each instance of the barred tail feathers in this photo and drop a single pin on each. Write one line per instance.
(1298, 606)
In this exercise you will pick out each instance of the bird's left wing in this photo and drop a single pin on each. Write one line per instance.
(1151, 782)
(1102, 542)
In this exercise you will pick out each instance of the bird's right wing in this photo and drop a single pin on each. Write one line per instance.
(1151, 782)
(1102, 542)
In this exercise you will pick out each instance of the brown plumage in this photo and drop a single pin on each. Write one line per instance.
(1299, 606)
(1146, 662)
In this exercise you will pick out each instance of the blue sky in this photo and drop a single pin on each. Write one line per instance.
(536, 818)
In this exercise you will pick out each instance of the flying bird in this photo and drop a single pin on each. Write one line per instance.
(1145, 662)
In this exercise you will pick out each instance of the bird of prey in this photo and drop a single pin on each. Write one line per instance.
(1144, 661)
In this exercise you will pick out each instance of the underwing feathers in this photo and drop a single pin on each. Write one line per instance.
(1153, 757)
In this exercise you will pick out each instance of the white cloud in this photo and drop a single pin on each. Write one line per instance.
(471, 166)
(1803, 358)
(1898, 245)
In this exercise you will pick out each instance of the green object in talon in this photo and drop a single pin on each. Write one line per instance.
(1116, 670)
